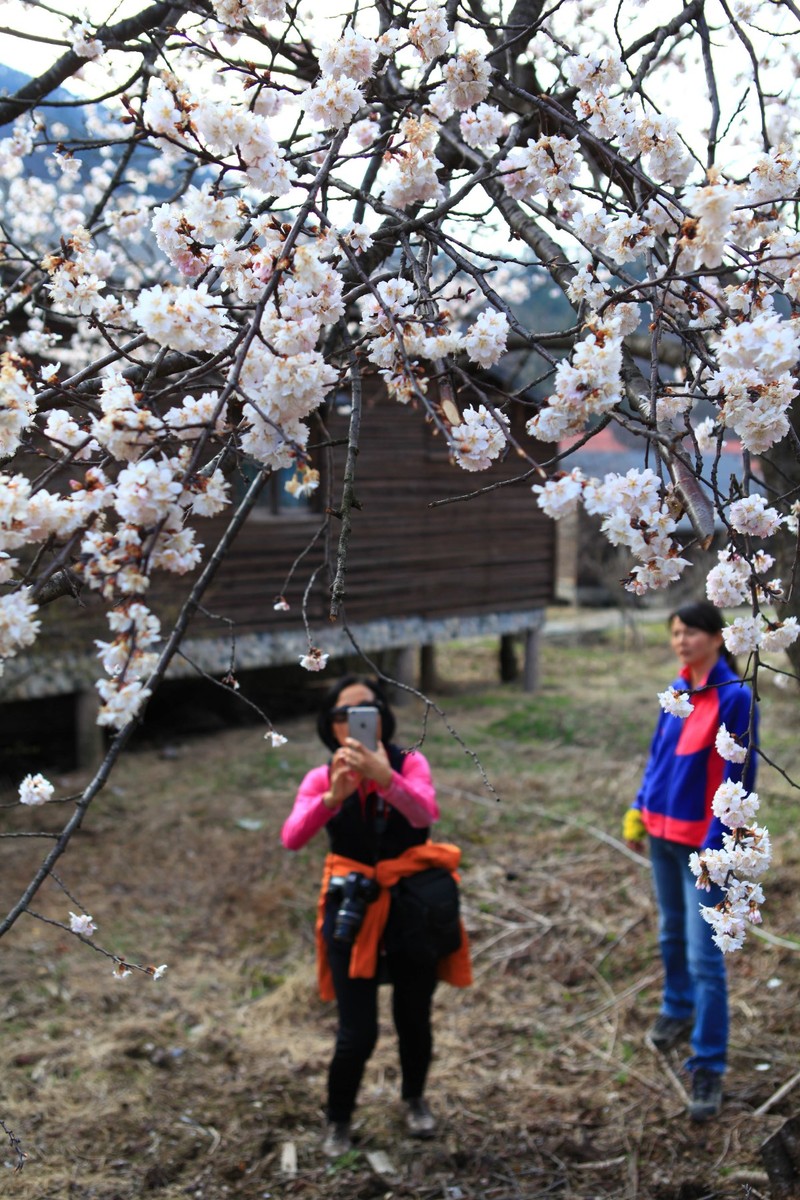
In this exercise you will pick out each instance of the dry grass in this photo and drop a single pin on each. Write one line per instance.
(195, 1085)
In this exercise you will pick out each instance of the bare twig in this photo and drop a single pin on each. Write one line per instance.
(16, 1147)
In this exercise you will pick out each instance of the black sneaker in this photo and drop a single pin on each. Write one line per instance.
(420, 1121)
(668, 1031)
(706, 1094)
(337, 1139)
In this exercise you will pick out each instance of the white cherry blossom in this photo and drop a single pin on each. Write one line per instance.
(429, 33)
(485, 341)
(334, 101)
(314, 660)
(780, 635)
(734, 805)
(82, 923)
(676, 703)
(84, 43)
(484, 126)
(478, 439)
(35, 790)
(560, 496)
(743, 636)
(753, 516)
(352, 55)
(467, 80)
(728, 747)
(728, 583)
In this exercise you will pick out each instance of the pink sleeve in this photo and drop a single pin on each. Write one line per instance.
(412, 792)
(308, 814)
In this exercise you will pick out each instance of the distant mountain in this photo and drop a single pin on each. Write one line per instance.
(60, 109)
(11, 81)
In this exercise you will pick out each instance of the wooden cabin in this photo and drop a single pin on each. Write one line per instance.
(417, 572)
(416, 575)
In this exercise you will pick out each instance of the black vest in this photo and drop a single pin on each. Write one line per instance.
(375, 830)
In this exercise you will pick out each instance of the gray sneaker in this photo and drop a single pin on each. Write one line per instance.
(337, 1139)
(668, 1031)
(420, 1121)
(706, 1094)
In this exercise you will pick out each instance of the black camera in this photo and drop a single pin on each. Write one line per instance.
(357, 892)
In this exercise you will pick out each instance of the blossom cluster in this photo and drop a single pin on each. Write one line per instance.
(35, 790)
(238, 12)
(84, 43)
(731, 581)
(18, 403)
(634, 514)
(589, 384)
(429, 32)
(676, 702)
(756, 357)
(127, 659)
(405, 335)
(478, 439)
(78, 277)
(744, 856)
(745, 635)
(412, 176)
(546, 168)
(180, 121)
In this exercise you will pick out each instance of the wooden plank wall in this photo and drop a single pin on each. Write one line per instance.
(492, 554)
(495, 553)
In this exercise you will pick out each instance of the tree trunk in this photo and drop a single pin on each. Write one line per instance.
(781, 477)
(781, 1157)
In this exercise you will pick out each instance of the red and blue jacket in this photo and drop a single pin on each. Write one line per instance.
(684, 769)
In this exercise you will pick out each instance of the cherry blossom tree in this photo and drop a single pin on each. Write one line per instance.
(217, 213)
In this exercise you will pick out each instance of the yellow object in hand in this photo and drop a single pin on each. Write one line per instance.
(633, 829)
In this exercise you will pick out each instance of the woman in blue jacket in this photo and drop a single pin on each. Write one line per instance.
(673, 808)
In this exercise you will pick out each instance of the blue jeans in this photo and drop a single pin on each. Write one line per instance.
(694, 967)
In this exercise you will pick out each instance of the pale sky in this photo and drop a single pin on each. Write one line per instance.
(34, 56)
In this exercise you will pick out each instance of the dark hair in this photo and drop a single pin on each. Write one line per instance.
(702, 614)
(324, 724)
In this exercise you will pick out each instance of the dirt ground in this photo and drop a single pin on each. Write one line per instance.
(209, 1082)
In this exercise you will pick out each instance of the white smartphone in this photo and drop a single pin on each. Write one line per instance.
(362, 724)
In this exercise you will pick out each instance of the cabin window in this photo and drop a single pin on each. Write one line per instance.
(342, 402)
(274, 500)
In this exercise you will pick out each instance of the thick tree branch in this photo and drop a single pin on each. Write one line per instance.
(64, 68)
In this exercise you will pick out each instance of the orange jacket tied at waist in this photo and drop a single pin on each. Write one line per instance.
(455, 968)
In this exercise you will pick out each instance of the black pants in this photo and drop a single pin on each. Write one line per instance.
(357, 1000)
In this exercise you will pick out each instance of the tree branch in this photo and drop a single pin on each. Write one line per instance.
(64, 68)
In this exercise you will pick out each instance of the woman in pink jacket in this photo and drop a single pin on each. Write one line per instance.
(377, 807)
